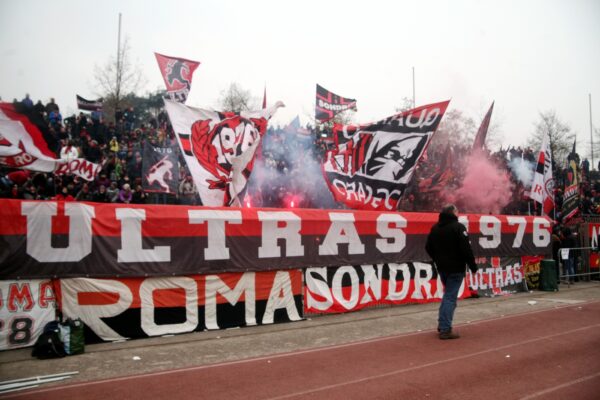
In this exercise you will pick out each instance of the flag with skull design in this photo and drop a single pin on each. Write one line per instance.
(219, 148)
(371, 165)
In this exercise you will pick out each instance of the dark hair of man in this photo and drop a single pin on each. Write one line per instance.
(448, 209)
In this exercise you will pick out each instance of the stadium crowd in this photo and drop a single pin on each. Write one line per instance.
(289, 155)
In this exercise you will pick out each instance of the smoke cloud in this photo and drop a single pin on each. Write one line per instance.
(522, 171)
(486, 188)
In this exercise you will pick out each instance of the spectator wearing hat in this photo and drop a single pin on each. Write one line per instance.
(125, 194)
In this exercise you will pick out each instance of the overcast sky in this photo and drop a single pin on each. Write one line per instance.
(528, 56)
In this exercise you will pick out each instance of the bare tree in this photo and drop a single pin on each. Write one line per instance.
(237, 99)
(455, 129)
(405, 105)
(559, 134)
(118, 78)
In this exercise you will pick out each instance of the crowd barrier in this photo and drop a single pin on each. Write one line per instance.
(140, 271)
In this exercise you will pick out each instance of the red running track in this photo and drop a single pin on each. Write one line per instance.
(552, 354)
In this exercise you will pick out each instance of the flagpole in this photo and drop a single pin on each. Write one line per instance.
(413, 73)
(118, 62)
(591, 131)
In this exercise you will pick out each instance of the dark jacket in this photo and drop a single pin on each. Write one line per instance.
(448, 245)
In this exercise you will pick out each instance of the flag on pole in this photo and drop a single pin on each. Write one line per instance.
(329, 104)
(160, 169)
(219, 148)
(542, 188)
(89, 105)
(479, 143)
(371, 165)
(177, 74)
(571, 193)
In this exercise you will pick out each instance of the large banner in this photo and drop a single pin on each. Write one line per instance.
(371, 165)
(351, 288)
(160, 169)
(75, 239)
(219, 148)
(115, 309)
(26, 306)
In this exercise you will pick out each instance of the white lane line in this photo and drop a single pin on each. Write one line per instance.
(427, 365)
(558, 387)
(288, 354)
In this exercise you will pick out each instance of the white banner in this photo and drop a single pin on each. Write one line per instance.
(25, 307)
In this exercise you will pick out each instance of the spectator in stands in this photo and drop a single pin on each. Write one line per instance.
(139, 197)
(64, 195)
(187, 191)
(31, 193)
(27, 102)
(84, 194)
(449, 247)
(39, 108)
(51, 106)
(556, 244)
(101, 195)
(113, 145)
(69, 151)
(113, 192)
(125, 194)
(569, 260)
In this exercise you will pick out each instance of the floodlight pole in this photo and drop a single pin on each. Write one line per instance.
(414, 103)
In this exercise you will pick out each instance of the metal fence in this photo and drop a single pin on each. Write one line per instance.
(582, 270)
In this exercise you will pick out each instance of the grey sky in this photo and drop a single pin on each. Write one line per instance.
(528, 56)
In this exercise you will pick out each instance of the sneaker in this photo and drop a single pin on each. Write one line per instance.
(449, 335)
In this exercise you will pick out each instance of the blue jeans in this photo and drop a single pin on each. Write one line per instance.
(569, 268)
(452, 282)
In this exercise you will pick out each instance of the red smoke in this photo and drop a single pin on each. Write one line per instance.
(485, 189)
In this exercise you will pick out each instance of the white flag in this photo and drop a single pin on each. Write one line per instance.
(542, 188)
(219, 148)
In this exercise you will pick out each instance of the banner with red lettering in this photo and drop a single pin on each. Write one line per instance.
(27, 143)
(351, 288)
(26, 306)
(75, 239)
(115, 309)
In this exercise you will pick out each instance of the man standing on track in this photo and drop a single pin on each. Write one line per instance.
(449, 247)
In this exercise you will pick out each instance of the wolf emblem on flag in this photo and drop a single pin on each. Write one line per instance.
(371, 165)
(219, 148)
(177, 74)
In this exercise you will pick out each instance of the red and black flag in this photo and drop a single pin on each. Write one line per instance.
(479, 143)
(177, 74)
(26, 142)
(371, 165)
(329, 104)
(160, 169)
(219, 148)
(89, 105)
(571, 194)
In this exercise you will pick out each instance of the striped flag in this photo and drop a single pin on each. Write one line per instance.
(542, 188)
